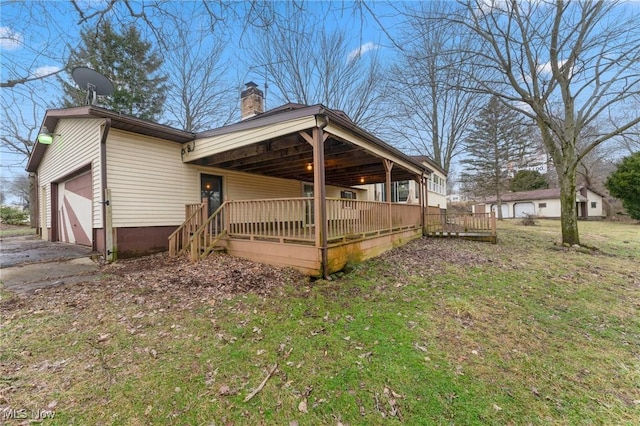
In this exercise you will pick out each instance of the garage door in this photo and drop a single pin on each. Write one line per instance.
(74, 210)
(505, 210)
(522, 209)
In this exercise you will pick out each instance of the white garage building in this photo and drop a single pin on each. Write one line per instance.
(544, 203)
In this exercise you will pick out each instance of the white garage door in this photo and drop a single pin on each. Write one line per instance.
(522, 209)
(505, 210)
(74, 210)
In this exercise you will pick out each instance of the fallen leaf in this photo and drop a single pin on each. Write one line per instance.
(302, 407)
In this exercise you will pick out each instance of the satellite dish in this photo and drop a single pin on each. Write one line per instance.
(95, 83)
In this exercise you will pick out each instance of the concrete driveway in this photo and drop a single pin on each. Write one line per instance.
(28, 263)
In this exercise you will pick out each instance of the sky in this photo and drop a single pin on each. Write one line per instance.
(37, 36)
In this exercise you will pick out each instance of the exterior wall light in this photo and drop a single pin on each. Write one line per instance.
(46, 138)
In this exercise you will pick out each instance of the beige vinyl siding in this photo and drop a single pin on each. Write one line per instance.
(149, 183)
(334, 192)
(246, 186)
(76, 145)
(217, 144)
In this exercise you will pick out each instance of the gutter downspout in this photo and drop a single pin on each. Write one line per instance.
(323, 195)
(423, 204)
(106, 204)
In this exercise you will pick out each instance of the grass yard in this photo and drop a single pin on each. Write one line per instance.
(15, 230)
(435, 332)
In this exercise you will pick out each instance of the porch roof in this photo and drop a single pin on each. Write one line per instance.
(271, 144)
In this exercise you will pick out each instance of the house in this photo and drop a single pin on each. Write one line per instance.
(407, 191)
(544, 203)
(285, 187)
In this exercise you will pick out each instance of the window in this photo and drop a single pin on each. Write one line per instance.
(400, 191)
(594, 204)
(542, 205)
(349, 195)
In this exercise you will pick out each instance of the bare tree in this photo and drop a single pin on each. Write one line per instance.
(199, 97)
(597, 164)
(29, 56)
(308, 64)
(429, 90)
(566, 65)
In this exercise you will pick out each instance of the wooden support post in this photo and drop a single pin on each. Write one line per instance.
(388, 165)
(319, 194)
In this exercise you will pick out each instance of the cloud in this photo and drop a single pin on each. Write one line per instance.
(546, 67)
(358, 52)
(10, 39)
(46, 70)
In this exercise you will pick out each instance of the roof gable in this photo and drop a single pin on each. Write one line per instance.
(116, 120)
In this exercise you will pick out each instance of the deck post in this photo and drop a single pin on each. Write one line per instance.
(320, 197)
(388, 165)
(423, 205)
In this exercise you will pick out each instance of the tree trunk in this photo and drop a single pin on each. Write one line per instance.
(569, 211)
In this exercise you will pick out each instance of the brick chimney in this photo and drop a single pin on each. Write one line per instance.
(251, 101)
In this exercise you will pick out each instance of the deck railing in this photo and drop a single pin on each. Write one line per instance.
(276, 218)
(289, 220)
(353, 218)
(179, 239)
(461, 224)
(203, 240)
(405, 215)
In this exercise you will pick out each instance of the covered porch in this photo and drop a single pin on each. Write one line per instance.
(316, 234)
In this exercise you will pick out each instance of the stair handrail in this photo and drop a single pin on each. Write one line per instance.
(195, 240)
(177, 245)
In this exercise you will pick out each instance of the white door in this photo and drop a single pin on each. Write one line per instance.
(74, 210)
(522, 209)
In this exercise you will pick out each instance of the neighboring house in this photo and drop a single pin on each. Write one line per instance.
(544, 203)
(284, 187)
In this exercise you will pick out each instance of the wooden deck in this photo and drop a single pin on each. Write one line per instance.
(284, 231)
(471, 226)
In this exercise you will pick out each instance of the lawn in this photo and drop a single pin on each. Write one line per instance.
(438, 331)
(15, 230)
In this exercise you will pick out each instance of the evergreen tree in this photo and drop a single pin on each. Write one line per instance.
(624, 184)
(528, 180)
(499, 143)
(129, 62)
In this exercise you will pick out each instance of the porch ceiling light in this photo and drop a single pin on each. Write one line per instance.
(362, 180)
(309, 166)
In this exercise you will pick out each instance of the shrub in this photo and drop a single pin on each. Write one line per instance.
(13, 215)
(528, 220)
